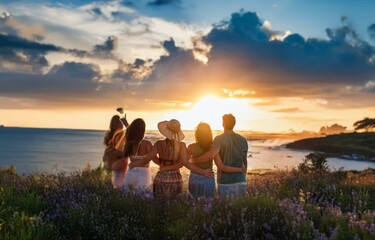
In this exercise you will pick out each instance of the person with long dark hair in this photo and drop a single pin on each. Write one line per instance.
(135, 145)
(114, 137)
(232, 148)
(201, 185)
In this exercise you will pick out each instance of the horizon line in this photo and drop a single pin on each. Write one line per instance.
(90, 129)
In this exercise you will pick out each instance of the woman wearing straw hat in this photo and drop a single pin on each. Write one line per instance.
(171, 153)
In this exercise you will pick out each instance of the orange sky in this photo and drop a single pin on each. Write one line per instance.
(75, 73)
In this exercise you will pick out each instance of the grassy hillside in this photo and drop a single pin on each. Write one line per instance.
(340, 144)
(278, 205)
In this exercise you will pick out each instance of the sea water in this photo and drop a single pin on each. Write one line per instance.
(65, 150)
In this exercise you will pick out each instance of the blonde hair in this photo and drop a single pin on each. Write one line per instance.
(172, 147)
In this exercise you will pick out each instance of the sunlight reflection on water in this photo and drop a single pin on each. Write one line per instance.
(55, 150)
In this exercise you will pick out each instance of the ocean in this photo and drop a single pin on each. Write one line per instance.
(33, 150)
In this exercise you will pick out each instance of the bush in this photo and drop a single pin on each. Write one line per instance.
(314, 162)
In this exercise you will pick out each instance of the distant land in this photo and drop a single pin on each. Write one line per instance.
(252, 135)
(346, 145)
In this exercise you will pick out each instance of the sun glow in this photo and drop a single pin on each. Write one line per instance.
(210, 109)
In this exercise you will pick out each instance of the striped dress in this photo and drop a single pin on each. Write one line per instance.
(168, 183)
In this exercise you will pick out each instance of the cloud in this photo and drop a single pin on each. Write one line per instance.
(286, 110)
(371, 31)
(243, 56)
(342, 58)
(106, 49)
(370, 86)
(11, 26)
(69, 85)
(163, 2)
(20, 54)
(60, 80)
(14, 42)
(137, 29)
(133, 73)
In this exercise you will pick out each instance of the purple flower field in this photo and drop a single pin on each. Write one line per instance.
(291, 204)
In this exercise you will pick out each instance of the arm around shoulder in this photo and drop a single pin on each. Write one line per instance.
(179, 163)
(224, 168)
(145, 159)
(210, 154)
(194, 168)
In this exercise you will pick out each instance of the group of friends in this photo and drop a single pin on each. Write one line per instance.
(132, 170)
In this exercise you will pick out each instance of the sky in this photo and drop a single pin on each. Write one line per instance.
(278, 66)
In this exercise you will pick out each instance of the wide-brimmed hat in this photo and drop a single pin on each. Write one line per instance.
(171, 129)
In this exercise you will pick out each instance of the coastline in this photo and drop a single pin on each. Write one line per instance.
(353, 146)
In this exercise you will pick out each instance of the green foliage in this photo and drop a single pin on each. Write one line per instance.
(292, 204)
(366, 124)
(20, 214)
(340, 144)
(314, 162)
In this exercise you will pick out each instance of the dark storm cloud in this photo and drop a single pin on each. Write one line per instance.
(163, 2)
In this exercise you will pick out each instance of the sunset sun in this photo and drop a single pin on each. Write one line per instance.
(210, 109)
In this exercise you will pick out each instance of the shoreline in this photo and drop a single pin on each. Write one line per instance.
(347, 146)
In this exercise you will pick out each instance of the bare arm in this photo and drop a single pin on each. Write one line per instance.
(245, 161)
(224, 168)
(125, 121)
(179, 163)
(195, 169)
(138, 161)
(210, 154)
(120, 165)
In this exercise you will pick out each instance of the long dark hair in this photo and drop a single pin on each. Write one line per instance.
(114, 125)
(134, 135)
(203, 136)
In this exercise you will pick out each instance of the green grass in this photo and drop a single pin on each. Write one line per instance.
(278, 205)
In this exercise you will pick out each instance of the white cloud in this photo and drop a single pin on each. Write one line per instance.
(370, 86)
(91, 24)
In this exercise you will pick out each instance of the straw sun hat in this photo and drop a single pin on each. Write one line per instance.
(171, 129)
